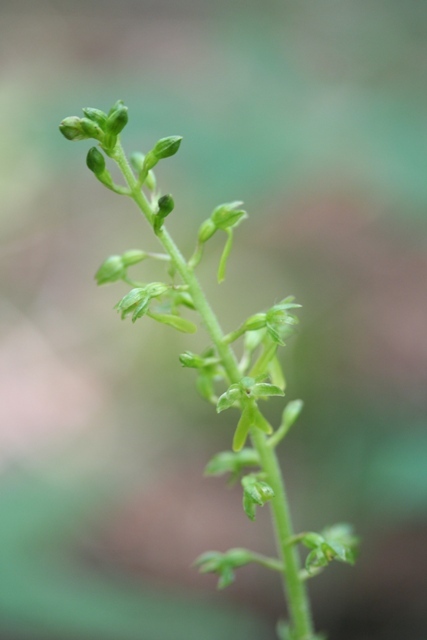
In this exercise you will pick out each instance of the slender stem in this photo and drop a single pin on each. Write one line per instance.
(294, 587)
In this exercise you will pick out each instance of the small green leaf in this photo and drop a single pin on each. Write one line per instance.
(181, 324)
(224, 256)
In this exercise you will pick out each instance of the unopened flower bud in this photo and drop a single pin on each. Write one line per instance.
(96, 115)
(95, 161)
(117, 121)
(91, 129)
(71, 129)
(166, 205)
(111, 270)
(166, 147)
(191, 360)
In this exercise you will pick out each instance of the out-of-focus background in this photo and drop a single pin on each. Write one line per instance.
(314, 114)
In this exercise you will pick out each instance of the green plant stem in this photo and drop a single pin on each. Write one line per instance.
(294, 587)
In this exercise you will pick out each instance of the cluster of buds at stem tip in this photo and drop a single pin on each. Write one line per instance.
(104, 127)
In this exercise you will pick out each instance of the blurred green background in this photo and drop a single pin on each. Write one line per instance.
(314, 114)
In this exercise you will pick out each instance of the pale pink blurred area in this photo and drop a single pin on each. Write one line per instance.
(46, 403)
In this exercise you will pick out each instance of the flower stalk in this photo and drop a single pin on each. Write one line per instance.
(262, 333)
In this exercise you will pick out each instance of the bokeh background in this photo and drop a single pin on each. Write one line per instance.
(314, 114)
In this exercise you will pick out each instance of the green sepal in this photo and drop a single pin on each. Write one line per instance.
(224, 257)
(181, 324)
(243, 426)
(232, 462)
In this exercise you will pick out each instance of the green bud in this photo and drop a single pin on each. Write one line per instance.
(117, 105)
(96, 115)
(133, 256)
(117, 121)
(166, 205)
(95, 161)
(225, 216)
(166, 147)
(191, 360)
(71, 129)
(206, 231)
(91, 129)
(111, 270)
